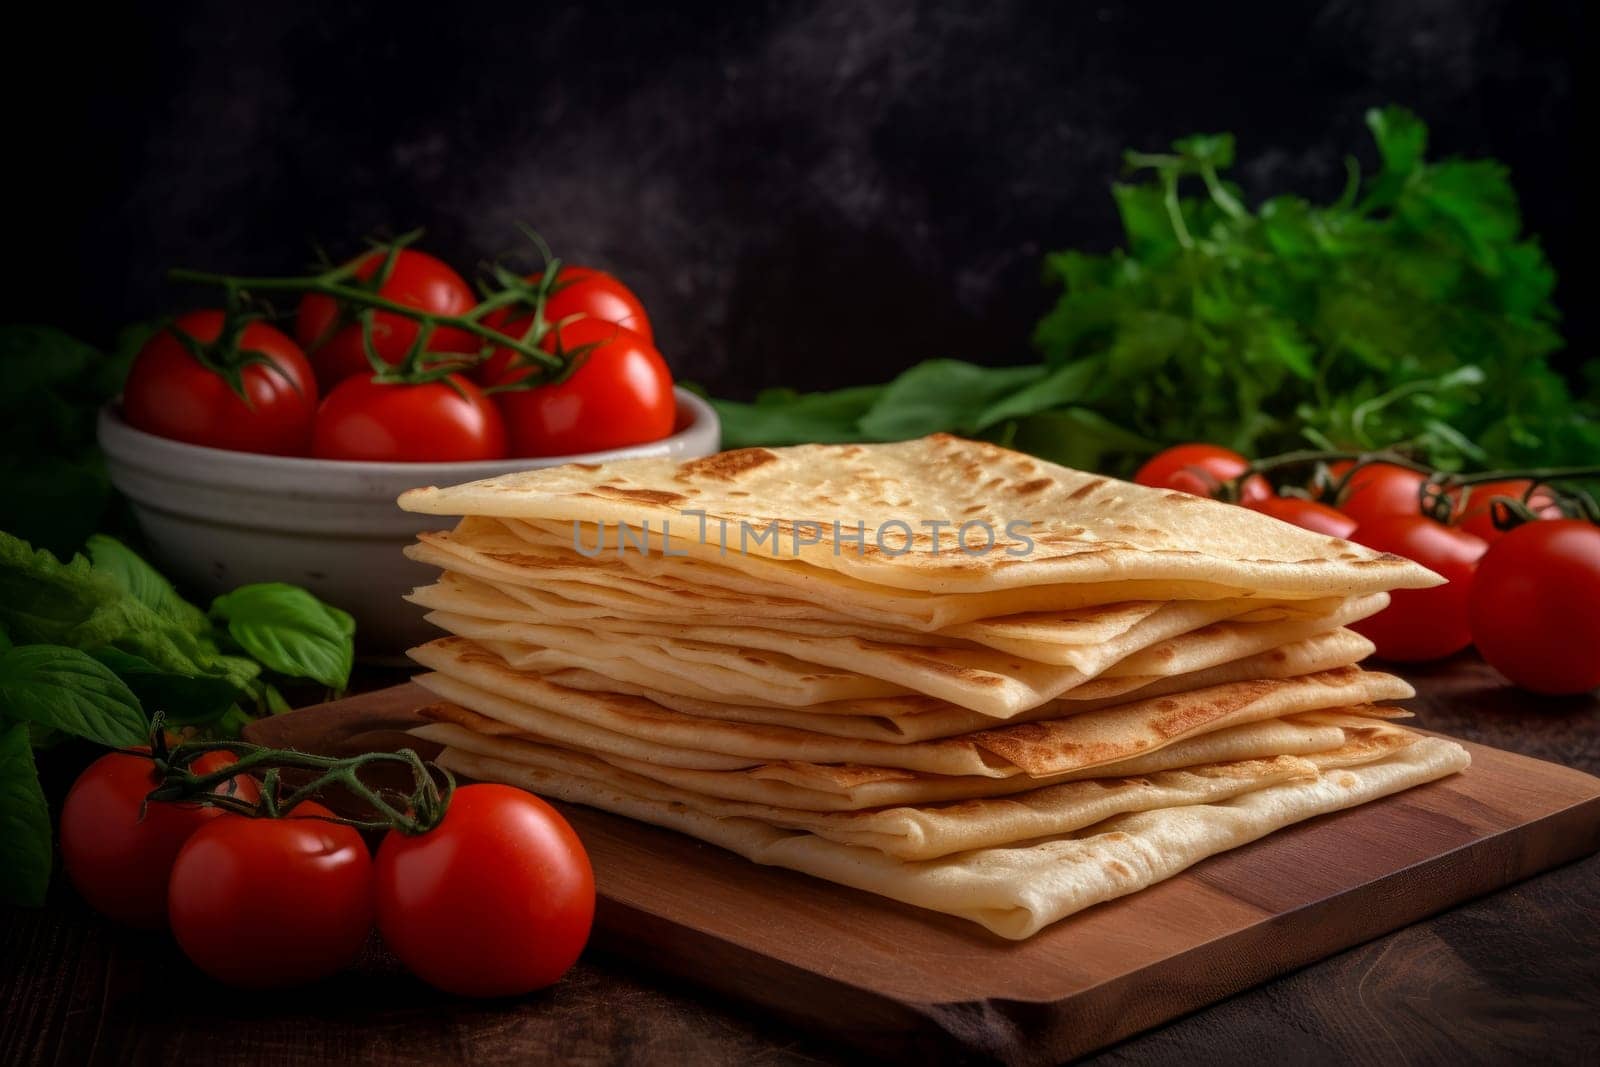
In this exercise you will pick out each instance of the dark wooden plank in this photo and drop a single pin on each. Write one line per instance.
(879, 973)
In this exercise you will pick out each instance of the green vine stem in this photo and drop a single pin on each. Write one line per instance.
(416, 812)
(1434, 494)
(335, 283)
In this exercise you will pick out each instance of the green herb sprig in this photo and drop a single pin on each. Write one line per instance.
(1411, 310)
(97, 646)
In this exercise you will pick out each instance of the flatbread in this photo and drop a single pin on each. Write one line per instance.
(484, 548)
(477, 680)
(1051, 525)
(1016, 891)
(914, 717)
(801, 670)
(911, 833)
(1089, 640)
(649, 586)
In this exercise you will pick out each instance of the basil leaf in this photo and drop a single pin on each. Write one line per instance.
(39, 357)
(143, 582)
(784, 417)
(187, 699)
(941, 394)
(46, 602)
(70, 691)
(24, 822)
(290, 631)
(1063, 385)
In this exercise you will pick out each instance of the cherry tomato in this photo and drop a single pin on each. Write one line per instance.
(495, 901)
(1380, 489)
(1534, 606)
(431, 422)
(598, 295)
(419, 281)
(272, 902)
(117, 860)
(1308, 514)
(1477, 515)
(1422, 624)
(621, 394)
(1200, 470)
(171, 394)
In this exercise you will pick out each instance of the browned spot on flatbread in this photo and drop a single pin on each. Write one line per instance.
(1034, 743)
(1178, 717)
(1037, 485)
(643, 496)
(585, 466)
(1119, 869)
(1182, 498)
(1086, 488)
(725, 466)
(444, 711)
(844, 775)
(944, 667)
(469, 651)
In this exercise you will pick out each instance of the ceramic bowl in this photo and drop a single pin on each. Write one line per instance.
(216, 519)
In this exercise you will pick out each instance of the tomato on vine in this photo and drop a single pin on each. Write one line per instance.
(223, 383)
(1200, 470)
(594, 294)
(1535, 606)
(117, 849)
(1477, 507)
(437, 420)
(259, 902)
(618, 393)
(415, 279)
(1307, 514)
(497, 900)
(1422, 624)
(1378, 490)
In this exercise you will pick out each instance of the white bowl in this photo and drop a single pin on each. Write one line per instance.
(216, 519)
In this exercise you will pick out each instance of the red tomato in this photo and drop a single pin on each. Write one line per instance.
(1534, 606)
(427, 423)
(1422, 624)
(1477, 516)
(272, 902)
(117, 860)
(171, 394)
(1200, 470)
(495, 901)
(621, 394)
(1307, 514)
(1381, 489)
(598, 295)
(419, 281)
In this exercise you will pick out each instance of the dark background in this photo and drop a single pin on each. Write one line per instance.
(805, 194)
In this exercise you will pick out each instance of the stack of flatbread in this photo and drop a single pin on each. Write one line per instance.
(936, 670)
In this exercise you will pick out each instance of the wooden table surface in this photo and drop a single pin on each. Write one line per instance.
(1511, 977)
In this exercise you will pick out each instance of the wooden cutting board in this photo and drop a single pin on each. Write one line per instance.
(895, 979)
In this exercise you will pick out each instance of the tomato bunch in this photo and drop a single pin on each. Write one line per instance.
(365, 379)
(495, 900)
(1527, 597)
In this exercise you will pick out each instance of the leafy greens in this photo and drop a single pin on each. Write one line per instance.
(93, 647)
(1410, 310)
